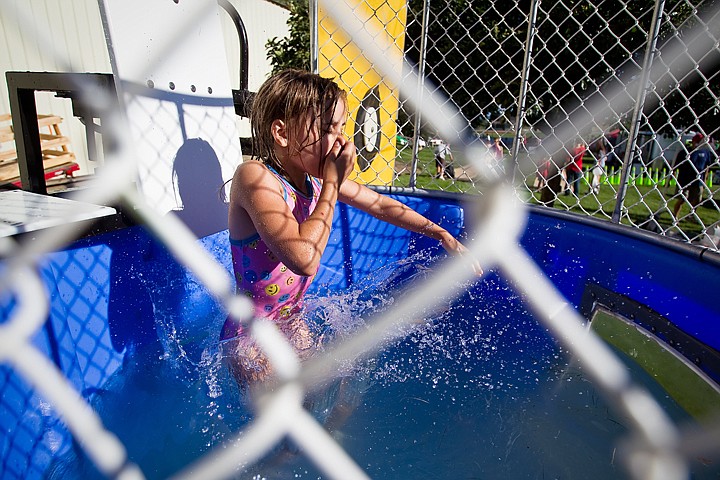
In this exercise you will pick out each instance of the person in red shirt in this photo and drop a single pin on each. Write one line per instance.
(573, 169)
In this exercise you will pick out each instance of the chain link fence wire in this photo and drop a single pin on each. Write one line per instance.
(518, 71)
(580, 93)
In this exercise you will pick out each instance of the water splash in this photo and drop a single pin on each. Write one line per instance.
(477, 384)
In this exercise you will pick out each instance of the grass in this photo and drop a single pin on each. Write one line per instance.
(640, 200)
(680, 381)
(426, 174)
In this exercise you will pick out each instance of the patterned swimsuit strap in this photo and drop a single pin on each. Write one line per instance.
(311, 184)
(287, 188)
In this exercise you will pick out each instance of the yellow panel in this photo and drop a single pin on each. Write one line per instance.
(373, 105)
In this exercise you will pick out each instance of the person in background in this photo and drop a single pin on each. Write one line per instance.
(574, 168)
(691, 173)
(552, 179)
(598, 170)
(444, 161)
(497, 151)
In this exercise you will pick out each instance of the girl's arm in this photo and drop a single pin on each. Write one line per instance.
(257, 205)
(396, 213)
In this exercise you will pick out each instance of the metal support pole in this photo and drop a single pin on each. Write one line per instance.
(314, 42)
(639, 105)
(27, 140)
(242, 39)
(524, 79)
(421, 83)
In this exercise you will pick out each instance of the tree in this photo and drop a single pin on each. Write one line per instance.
(677, 100)
(689, 99)
(583, 47)
(292, 51)
(475, 54)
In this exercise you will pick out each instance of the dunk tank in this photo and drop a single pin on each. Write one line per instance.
(560, 361)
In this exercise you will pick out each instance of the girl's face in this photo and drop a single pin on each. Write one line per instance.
(319, 138)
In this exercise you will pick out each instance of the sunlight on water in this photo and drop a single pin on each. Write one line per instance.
(476, 390)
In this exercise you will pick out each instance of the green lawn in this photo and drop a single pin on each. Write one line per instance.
(640, 200)
(426, 172)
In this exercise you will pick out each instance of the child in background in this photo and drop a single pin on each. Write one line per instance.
(598, 170)
(574, 168)
(282, 204)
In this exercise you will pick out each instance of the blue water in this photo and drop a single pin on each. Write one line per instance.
(479, 390)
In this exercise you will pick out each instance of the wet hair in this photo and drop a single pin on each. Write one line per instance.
(293, 96)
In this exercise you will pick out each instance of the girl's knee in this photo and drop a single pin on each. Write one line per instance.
(248, 364)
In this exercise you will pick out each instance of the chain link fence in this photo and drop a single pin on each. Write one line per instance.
(520, 71)
(532, 76)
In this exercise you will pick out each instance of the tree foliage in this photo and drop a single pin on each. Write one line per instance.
(292, 51)
(475, 53)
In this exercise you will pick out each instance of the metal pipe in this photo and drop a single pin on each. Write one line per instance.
(314, 42)
(242, 38)
(421, 85)
(639, 105)
(524, 79)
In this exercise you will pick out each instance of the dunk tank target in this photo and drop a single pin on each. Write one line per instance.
(373, 105)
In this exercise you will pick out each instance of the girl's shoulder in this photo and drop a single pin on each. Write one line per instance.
(252, 171)
(252, 166)
(253, 175)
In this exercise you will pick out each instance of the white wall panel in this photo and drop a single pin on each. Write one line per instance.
(73, 29)
(68, 29)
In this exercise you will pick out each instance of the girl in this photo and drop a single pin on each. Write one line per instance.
(282, 204)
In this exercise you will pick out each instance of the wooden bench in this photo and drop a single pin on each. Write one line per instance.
(58, 159)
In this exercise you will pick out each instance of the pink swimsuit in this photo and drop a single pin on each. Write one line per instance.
(273, 288)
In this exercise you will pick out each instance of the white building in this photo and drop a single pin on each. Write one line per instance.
(54, 36)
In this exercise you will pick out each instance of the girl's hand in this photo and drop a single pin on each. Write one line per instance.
(454, 247)
(339, 161)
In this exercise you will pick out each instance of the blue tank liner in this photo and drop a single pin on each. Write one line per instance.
(675, 280)
(106, 292)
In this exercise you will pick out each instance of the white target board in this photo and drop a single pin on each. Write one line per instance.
(170, 67)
